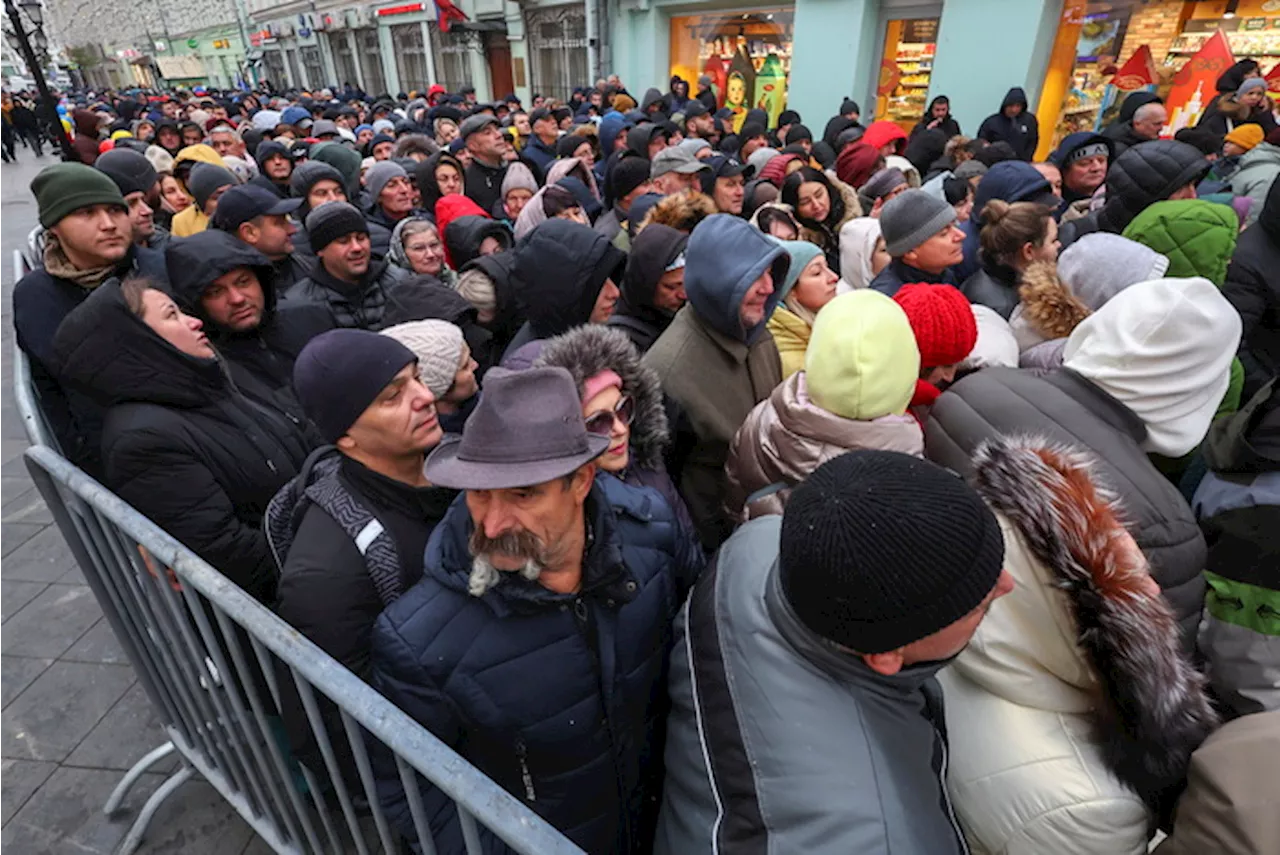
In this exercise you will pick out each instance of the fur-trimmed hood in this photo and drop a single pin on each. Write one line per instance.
(852, 210)
(1080, 635)
(682, 211)
(1047, 308)
(586, 351)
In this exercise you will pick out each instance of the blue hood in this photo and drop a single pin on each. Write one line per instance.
(610, 126)
(1010, 180)
(726, 255)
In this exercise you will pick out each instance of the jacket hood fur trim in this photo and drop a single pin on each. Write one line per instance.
(681, 211)
(1153, 711)
(586, 351)
(1048, 304)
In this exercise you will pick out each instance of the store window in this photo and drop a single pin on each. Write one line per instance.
(450, 52)
(558, 49)
(411, 58)
(344, 59)
(313, 66)
(375, 82)
(747, 55)
(905, 68)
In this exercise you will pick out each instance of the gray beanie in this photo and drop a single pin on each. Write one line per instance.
(438, 346)
(306, 175)
(378, 176)
(970, 168)
(330, 222)
(910, 219)
(205, 180)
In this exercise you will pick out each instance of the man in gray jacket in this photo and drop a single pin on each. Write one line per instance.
(805, 714)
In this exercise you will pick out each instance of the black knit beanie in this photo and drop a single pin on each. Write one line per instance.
(340, 373)
(880, 549)
(332, 221)
(626, 175)
(205, 180)
(131, 172)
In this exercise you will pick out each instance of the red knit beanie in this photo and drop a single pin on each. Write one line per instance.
(942, 320)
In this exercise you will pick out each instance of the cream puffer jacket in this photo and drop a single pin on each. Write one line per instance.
(787, 436)
(1028, 719)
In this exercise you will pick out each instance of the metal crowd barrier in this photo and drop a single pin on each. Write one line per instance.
(213, 662)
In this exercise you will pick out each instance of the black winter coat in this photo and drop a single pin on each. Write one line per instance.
(267, 351)
(1253, 287)
(654, 248)
(359, 306)
(40, 302)
(189, 449)
(1144, 174)
(1123, 137)
(559, 698)
(483, 184)
(898, 273)
(560, 268)
(463, 236)
(326, 592)
(994, 286)
(1022, 132)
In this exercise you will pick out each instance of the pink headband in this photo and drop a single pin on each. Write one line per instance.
(597, 383)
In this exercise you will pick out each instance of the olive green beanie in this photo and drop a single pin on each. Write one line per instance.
(66, 187)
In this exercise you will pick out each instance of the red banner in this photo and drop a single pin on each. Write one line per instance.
(1194, 84)
(1138, 72)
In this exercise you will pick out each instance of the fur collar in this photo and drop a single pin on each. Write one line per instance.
(1153, 710)
(1048, 304)
(681, 211)
(852, 210)
(586, 351)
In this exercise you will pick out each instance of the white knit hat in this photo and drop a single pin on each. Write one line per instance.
(1163, 349)
(438, 346)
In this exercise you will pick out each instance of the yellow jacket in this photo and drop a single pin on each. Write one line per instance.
(791, 335)
(189, 221)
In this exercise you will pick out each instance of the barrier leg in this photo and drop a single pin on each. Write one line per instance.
(139, 827)
(131, 777)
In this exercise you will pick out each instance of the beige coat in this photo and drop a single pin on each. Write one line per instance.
(788, 436)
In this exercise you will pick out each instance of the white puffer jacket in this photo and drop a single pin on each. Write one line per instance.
(1026, 712)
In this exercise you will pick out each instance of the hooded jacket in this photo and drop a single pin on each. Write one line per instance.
(1010, 181)
(266, 150)
(1042, 703)
(1022, 132)
(556, 697)
(948, 125)
(197, 454)
(710, 366)
(778, 742)
(267, 351)
(41, 301)
(656, 247)
(1146, 173)
(560, 268)
(787, 436)
(1197, 237)
(1253, 288)
(586, 351)
(1065, 407)
(858, 240)
(424, 176)
(470, 235)
(1258, 170)
(1238, 504)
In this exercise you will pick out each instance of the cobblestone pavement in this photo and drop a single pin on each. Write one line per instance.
(73, 715)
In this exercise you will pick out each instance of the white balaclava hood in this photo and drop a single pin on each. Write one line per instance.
(1163, 349)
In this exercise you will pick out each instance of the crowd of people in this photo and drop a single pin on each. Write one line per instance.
(669, 467)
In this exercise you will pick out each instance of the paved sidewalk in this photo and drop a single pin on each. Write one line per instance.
(73, 716)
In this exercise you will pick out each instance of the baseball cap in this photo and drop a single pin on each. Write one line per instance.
(540, 114)
(324, 126)
(728, 167)
(676, 159)
(478, 122)
(694, 109)
(244, 202)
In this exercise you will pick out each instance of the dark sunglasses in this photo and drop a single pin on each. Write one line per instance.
(601, 424)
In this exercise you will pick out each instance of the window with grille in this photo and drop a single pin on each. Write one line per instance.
(450, 51)
(274, 61)
(411, 58)
(375, 82)
(292, 57)
(344, 59)
(558, 49)
(313, 66)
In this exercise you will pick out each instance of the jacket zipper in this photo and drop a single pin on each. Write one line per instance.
(946, 798)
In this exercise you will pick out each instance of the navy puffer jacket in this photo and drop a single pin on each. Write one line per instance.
(556, 697)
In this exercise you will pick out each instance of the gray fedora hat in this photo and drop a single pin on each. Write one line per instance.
(527, 429)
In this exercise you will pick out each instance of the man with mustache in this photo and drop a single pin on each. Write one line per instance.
(536, 643)
(350, 531)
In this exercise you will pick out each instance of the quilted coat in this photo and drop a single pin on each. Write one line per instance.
(1198, 237)
(1073, 712)
(556, 697)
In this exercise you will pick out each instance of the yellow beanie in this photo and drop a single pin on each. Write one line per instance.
(862, 361)
(119, 135)
(1245, 136)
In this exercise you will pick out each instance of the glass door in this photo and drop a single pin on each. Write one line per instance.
(906, 63)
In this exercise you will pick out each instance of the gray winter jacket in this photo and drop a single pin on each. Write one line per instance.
(808, 750)
(1064, 407)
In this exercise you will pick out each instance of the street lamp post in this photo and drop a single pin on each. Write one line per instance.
(36, 13)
